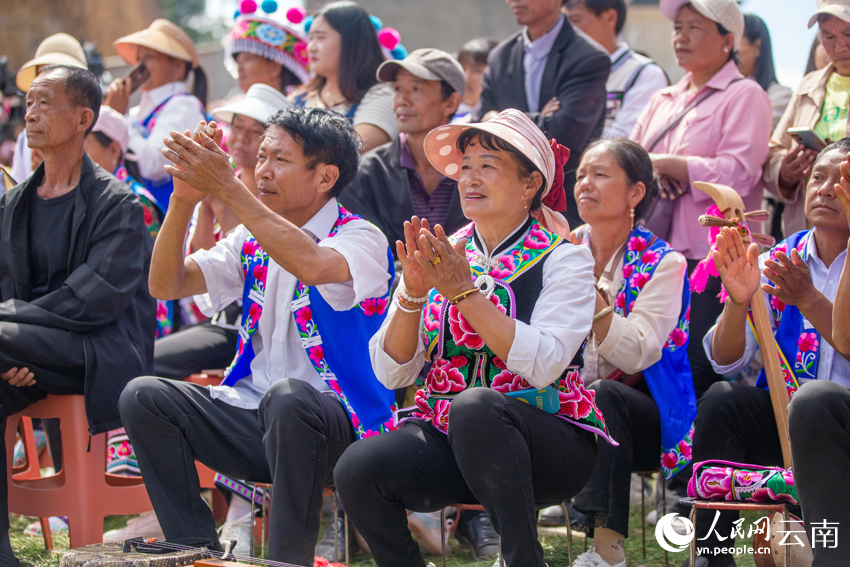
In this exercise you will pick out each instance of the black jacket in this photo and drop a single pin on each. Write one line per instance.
(575, 72)
(105, 298)
(380, 193)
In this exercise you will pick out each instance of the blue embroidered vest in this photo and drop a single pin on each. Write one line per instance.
(340, 353)
(669, 380)
(792, 336)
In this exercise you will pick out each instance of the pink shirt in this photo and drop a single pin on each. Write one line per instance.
(724, 138)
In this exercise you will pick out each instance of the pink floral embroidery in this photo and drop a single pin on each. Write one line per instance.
(254, 312)
(628, 270)
(445, 378)
(650, 257)
(161, 311)
(250, 247)
(462, 332)
(506, 267)
(808, 342)
(621, 301)
(260, 272)
(715, 483)
(577, 401)
(303, 316)
(432, 316)
(639, 280)
(506, 381)
(636, 244)
(678, 337)
(670, 460)
(537, 239)
(685, 449)
(375, 306)
(316, 353)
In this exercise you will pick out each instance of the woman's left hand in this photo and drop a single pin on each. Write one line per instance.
(445, 264)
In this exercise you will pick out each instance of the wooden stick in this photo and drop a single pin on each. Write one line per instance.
(732, 206)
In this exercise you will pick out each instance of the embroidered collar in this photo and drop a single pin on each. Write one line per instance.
(506, 244)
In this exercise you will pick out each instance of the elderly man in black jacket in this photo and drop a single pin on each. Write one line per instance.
(555, 75)
(396, 181)
(75, 313)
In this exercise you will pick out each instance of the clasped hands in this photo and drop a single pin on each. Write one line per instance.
(429, 260)
(739, 271)
(200, 167)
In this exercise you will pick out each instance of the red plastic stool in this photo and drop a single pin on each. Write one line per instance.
(82, 490)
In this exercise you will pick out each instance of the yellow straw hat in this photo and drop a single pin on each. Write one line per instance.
(58, 49)
(162, 36)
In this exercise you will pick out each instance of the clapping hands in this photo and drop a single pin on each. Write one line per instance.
(429, 261)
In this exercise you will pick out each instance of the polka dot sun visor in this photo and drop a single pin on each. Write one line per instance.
(510, 125)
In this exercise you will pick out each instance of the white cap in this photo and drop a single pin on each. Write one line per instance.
(724, 12)
(113, 124)
(260, 103)
(838, 8)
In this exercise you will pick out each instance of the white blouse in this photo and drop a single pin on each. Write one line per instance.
(635, 342)
(277, 342)
(181, 113)
(542, 350)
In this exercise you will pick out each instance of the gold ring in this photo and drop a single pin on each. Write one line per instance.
(436, 260)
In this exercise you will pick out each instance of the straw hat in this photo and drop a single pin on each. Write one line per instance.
(58, 49)
(260, 102)
(162, 36)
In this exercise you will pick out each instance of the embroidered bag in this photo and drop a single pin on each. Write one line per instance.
(739, 482)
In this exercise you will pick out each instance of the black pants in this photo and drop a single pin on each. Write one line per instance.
(705, 309)
(294, 440)
(632, 419)
(734, 423)
(56, 359)
(819, 423)
(196, 348)
(500, 452)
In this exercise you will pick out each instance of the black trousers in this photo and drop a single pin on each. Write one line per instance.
(734, 423)
(294, 440)
(56, 359)
(632, 419)
(705, 309)
(819, 423)
(191, 350)
(500, 452)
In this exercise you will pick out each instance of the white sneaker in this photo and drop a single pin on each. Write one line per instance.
(592, 559)
(144, 525)
(241, 531)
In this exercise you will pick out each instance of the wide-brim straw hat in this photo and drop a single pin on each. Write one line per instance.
(58, 49)
(260, 103)
(162, 36)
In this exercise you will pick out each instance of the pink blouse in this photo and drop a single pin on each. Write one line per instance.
(724, 138)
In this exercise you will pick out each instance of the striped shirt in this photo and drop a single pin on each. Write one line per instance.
(434, 207)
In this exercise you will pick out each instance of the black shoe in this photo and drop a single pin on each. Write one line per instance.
(476, 531)
(325, 547)
(7, 556)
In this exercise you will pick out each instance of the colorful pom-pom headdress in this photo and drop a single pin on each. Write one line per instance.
(267, 38)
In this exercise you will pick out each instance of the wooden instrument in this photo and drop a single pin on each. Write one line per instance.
(732, 208)
(769, 549)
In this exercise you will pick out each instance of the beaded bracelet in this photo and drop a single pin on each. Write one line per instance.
(407, 298)
(460, 297)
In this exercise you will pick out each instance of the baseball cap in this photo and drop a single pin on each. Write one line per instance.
(838, 8)
(429, 64)
(725, 12)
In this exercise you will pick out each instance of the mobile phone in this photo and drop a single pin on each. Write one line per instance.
(139, 75)
(807, 138)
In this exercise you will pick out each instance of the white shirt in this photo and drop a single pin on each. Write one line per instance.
(635, 343)
(181, 113)
(650, 80)
(560, 322)
(831, 366)
(534, 61)
(21, 159)
(276, 342)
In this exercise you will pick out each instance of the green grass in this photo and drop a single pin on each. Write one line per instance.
(32, 553)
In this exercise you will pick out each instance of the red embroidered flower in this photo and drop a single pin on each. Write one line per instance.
(506, 267)
(636, 244)
(316, 353)
(621, 301)
(685, 449)
(375, 306)
(808, 342)
(678, 337)
(148, 217)
(628, 270)
(576, 401)
(639, 280)
(670, 460)
(537, 239)
(255, 311)
(650, 257)
(445, 378)
(250, 247)
(260, 272)
(462, 332)
(432, 316)
(506, 381)
(303, 316)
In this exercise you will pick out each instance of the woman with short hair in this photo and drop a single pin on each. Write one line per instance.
(501, 310)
